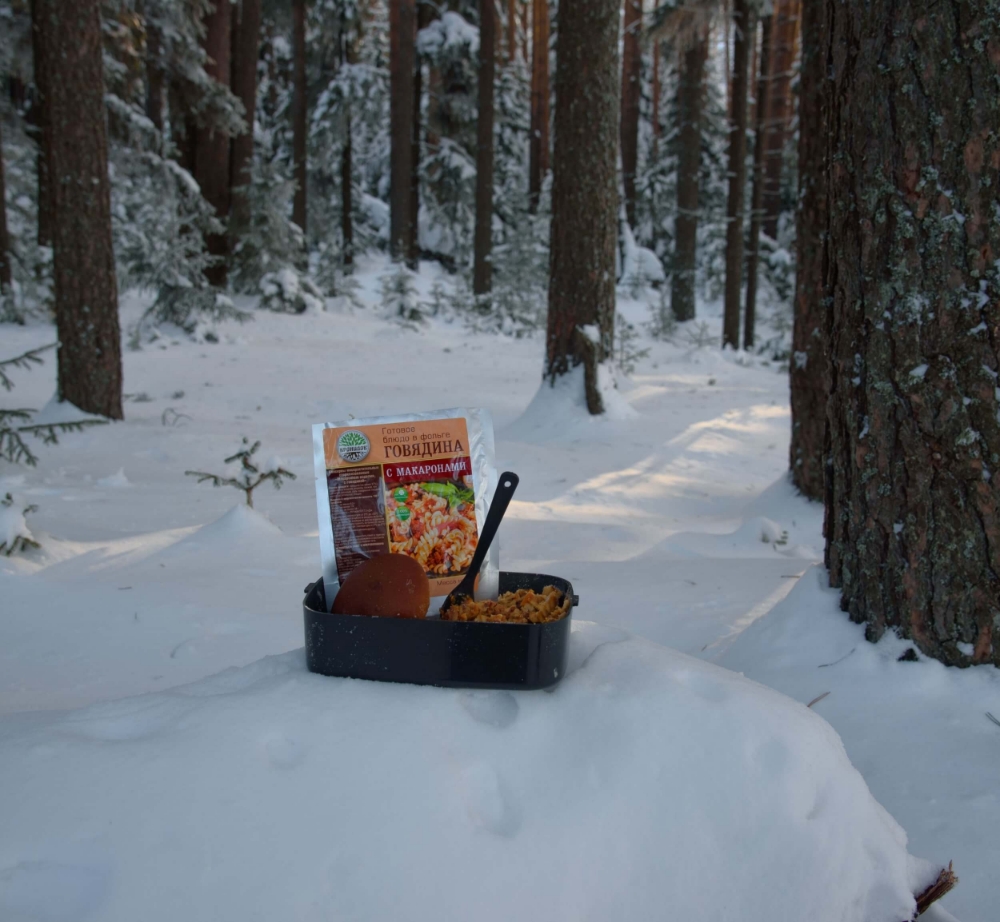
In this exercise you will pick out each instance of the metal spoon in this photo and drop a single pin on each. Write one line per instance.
(501, 499)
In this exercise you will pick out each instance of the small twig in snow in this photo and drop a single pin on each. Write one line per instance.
(991, 717)
(817, 699)
(834, 663)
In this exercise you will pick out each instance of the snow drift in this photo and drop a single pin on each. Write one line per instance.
(648, 785)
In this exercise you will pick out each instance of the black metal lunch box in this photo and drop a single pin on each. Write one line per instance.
(457, 654)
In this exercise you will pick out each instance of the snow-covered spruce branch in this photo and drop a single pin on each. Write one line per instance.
(249, 476)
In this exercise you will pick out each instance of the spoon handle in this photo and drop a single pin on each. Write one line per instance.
(506, 486)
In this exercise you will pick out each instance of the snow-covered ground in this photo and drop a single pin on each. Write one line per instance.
(647, 785)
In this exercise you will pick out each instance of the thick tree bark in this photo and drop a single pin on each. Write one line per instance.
(808, 375)
(5, 274)
(913, 497)
(784, 39)
(690, 95)
(86, 293)
(246, 50)
(757, 195)
(402, 26)
(425, 15)
(584, 193)
(41, 122)
(154, 77)
(742, 36)
(299, 215)
(482, 270)
(631, 91)
(211, 147)
(538, 145)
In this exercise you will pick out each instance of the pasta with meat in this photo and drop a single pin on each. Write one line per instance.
(435, 524)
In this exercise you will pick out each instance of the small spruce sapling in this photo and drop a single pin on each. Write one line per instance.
(249, 476)
(14, 535)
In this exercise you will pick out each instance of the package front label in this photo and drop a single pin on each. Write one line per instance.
(404, 488)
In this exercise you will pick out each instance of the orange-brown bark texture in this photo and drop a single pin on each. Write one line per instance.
(584, 191)
(83, 263)
(913, 502)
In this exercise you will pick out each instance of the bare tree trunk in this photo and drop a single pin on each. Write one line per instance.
(482, 270)
(346, 204)
(154, 77)
(86, 292)
(743, 34)
(183, 133)
(299, 215)
(41, 121)
(425, 15)
(913, 499)
(808, 374)
(402, 25)
(783, 47)
(511, 30)
(538, 146)
(584, 193)
(631, 90)
(346, 167)
(246, 50)
(727, 74)
(656, 97)
(757, 196)
(690, 96)
(522, 7)
(211, 147)
(5, 273)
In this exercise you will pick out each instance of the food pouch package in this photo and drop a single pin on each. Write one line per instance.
(418, 485)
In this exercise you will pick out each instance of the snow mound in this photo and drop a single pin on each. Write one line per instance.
(240, 526)
(118, 479)
(559, 410)
(648, 785)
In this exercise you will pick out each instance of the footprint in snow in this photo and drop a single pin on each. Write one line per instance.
(488, 803)
(495, 708)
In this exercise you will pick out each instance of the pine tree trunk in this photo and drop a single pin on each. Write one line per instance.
(246, 50)
(182, 131)
(631, 90)
(742, 36)
(299, 215)
(346, 204)
(522, 7)
(656, 97)
(5, 274)
(482, 266)
(425, 15)
(154, 77)
(41, 122)
(808, 375)
(511, 30)
(913, 499)
(211, 146)
(757, 195)
(86, 293)
(690, 95)
(538, 145)
(784, 39)
(584, 193)
(402, 25)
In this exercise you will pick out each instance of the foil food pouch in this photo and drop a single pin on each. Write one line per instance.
(418, 484)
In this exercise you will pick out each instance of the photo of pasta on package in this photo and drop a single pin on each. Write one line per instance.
(434, 522)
